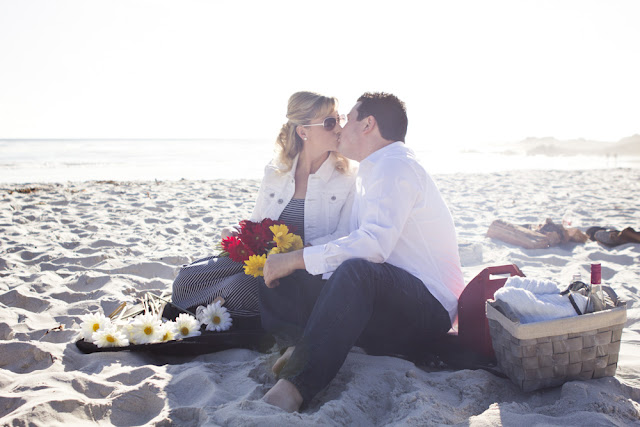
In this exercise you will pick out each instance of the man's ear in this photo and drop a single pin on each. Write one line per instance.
(369, 124)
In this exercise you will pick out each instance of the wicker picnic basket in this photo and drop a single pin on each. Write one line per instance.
(547, 354)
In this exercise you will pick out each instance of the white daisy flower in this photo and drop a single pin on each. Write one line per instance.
(215, 317)
(145, 329)
(92, 323)
(110, 337)
(168, 332)
(187, 326)
(127, 330)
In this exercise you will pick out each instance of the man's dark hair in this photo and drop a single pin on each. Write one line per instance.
(389, 112)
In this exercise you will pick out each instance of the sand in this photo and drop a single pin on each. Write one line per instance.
(74, 248)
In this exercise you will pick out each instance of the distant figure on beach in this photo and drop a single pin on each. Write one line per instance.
(396, 277)
(308, 186)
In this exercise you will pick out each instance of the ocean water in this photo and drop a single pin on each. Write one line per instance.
(131, 160)
(46, 161)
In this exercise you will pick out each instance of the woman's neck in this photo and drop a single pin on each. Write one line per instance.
(309, 162)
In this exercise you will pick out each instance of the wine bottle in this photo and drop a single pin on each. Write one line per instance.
(596, 282)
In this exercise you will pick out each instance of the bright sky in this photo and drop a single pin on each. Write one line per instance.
(470, 72)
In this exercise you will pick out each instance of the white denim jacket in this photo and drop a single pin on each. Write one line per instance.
(327, 207)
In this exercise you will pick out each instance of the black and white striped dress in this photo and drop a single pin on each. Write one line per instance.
(202, 281)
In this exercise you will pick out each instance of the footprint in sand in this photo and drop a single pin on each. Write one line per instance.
(91, 389)
(87, 282)
(16, 299)
(23, 357)
(187, 416)
(137, 407)
(6, 332)
(186, 387)
(56, 336)
(4, 265)
(10, 404)
(133, 377)
(34, 257)
(80, 409)
(69, 245)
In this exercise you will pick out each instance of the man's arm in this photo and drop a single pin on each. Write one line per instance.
(282, 265)
(383, 210)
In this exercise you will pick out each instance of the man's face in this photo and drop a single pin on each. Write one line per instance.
(349, 140)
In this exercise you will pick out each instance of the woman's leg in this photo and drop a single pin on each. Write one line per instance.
(201, 282)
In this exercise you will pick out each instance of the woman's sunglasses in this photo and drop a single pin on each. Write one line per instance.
(330, 122)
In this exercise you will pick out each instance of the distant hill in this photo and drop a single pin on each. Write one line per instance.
(549, 146)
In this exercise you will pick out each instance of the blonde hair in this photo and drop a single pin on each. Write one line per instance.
(301, 109)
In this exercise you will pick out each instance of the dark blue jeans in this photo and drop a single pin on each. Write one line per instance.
(379, 307)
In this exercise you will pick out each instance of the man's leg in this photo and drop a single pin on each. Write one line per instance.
(285, 309)
(378, 306)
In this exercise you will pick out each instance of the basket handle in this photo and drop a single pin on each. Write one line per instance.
(511, 269)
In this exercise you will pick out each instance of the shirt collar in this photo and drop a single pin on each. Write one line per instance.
(374, 157)
(324, 171)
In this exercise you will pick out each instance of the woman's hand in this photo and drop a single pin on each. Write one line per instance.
(228, 232)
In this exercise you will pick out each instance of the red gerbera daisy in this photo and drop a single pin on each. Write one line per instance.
(238, 251)
(227, 241)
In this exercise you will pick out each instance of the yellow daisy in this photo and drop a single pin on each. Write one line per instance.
(279, 229)
(275, 250)
(254, 265)
(296, 242)
(281, 236)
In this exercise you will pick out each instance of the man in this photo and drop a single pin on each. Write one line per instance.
(396, 277)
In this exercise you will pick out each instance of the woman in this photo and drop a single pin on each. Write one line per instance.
(308, 186)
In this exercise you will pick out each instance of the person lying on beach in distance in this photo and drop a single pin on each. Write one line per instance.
(396, 277)
(308, 186)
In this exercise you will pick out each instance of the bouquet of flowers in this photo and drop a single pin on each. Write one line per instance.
(256, 241)
(148, 327)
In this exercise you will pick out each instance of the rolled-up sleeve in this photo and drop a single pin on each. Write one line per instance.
(314, 259)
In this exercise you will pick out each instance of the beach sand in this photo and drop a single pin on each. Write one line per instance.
(75, 248)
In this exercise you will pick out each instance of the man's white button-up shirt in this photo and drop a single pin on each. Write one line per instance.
(399, 217)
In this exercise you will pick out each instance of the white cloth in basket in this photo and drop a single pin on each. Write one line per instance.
(535, 300)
